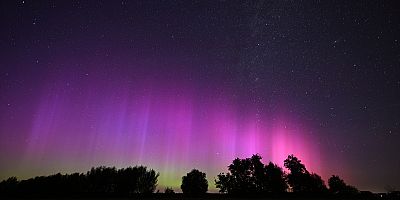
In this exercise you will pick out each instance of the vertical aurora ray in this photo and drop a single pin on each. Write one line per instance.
(161, 123)
(177, 85)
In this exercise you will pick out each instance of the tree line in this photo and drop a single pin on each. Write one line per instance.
(251, 176)
(100, 181)
(244, 176)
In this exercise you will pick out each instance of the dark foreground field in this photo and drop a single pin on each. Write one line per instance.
(210, 196)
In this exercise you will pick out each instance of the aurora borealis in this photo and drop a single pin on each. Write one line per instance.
(156, 121)
(182, 85)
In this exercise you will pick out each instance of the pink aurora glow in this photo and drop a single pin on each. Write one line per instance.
(159, 123)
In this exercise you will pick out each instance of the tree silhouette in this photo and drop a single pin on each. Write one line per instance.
(315, 184)
(300, 179)
(194, 183)
(147, 180)
(242, 176)
(338, 186)
(126, 181)
(100, 181)
(250, 175)
(239, 179)
(9, 186)
(275, 179)
(225, 183)
(136, 180)
(294, 165)
(245, 176)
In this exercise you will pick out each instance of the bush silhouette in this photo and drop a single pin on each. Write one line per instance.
(194, 183)
(338, 186)
(250, 175)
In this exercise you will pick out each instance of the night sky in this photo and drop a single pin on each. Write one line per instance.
(176, 85)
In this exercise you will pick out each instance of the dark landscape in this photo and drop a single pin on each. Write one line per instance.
(199, 99)
(247, 178)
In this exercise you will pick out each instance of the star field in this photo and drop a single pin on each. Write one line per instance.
(182, 84)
